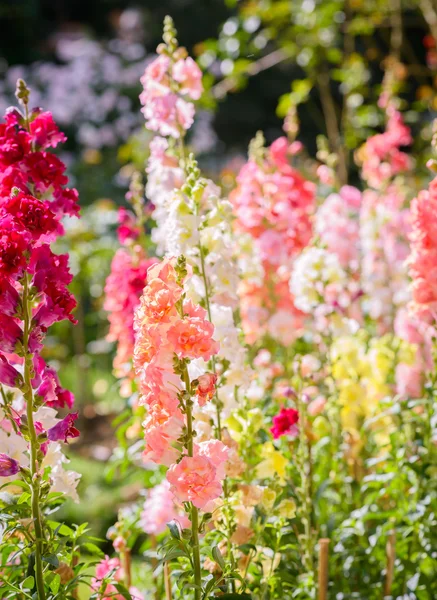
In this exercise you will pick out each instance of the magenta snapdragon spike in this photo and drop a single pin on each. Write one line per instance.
(34, 292)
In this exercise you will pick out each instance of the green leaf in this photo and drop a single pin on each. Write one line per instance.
(92, 548)
(52, 560)
(23, 498)
(217, 555)
(174, 530)
(174, 553)
(55, 583)
(28, 583)
(123, 591)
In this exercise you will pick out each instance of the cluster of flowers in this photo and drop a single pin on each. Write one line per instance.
(422, 261)
(273, 204)
(124, 287)
(192, 219)
(302, 276)
(172, 331)
(34, 293)
(166, 110)
(108, 573)
(89, 87)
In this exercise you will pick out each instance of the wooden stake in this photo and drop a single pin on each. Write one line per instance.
(127, 567)
(391, 554)
(323, 568)
(154, 565)
(167, 581)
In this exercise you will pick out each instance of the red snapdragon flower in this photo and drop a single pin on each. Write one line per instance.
(285, 423)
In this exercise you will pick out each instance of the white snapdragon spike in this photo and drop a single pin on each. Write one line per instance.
(188, 227)
(384, 249)
(315, 272)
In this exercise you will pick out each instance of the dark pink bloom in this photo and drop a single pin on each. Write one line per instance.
(8, 466)
(14, 144)
(45, 170)
(64, 429)
(127, 229)
(65, 202)
(10, 334)
(285, 423)
(206, 387)
(44, 130)
(31, 214)
(58, 304)
(51, 391)
(8, 374)
(9, 298)
(13, 245)
(49, 268)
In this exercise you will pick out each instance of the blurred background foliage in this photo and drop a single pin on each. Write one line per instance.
(264, 60)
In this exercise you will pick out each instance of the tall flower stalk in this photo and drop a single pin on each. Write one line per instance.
(34, 282)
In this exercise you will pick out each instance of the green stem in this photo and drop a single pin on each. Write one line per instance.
(306, 489)
(194, 510)
(208, 310)
(34, 445)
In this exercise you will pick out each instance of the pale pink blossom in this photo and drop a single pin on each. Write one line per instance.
(187, 73)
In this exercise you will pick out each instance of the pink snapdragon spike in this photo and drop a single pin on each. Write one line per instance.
(8, 466)
(423, 259)
(34, 295)
(123, 289)
(126, 282)
(168, 82)
(273, 204)
(284, 423)
(381, 156)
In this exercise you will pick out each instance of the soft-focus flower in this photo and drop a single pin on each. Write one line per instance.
(273, 463)
(423, 259)
(159, 509)
(284, 423)
(187, 73)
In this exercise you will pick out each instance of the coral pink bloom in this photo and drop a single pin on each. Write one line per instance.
(206, 388)
(194, 479)
(161, 430)
(192, 338)
(159, 300)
